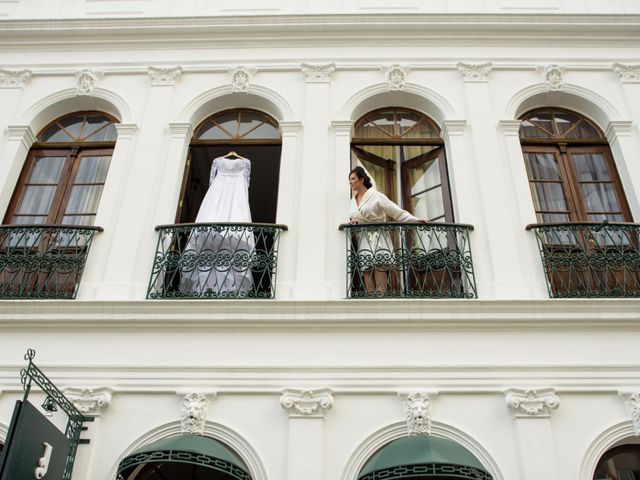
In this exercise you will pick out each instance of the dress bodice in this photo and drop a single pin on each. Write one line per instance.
(230, 167)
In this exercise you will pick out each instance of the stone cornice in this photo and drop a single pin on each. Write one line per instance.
(307, 402)
(587, 27)
(409, 314)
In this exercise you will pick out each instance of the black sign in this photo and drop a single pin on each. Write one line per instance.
(35, 448)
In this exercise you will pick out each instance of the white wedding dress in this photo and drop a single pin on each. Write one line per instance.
(222, 255)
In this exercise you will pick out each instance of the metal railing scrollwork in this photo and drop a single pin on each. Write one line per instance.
(43, 261)
(409, 260)
(590, 259)
(215, 260)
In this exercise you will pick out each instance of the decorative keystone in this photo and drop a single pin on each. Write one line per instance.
(532, 403)
(396, 76)
(241, 78)
(632, 399)
(318, 73)
(193, 414)
(475, 72)
(89, 401)
(418, 413)
(554, 78)
(627, 73)
(86, 81)
(307, 403)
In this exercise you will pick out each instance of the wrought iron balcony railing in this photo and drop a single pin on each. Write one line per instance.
(590, 259)
(43, 261)
(215, 260)
(413, 260)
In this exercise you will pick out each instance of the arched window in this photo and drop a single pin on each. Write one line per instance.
(250, 133)
(62, 180)
(619, 463)
(404, 155)
(571, 171)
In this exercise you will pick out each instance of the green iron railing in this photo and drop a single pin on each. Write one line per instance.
(590, 259)
(215, 260)
(409, 260)
(43, 261)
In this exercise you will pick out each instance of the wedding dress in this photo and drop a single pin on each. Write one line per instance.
(221, 254)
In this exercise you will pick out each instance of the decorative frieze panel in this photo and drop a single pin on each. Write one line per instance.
(396, 76)
(164, 76)
(86, 81)
(532, 403)
(14, 78)
(307, 403)
(554, 78)
(627, 73)
(193, 414)
(475, 72)
(89, 401)
(418, 407)
(632, 399)
(318, 73)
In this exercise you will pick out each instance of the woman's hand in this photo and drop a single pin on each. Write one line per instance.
(353, 221)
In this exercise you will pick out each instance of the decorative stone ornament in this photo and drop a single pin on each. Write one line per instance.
(318, 73)
(14, 79)
(89, 401)
(475, 72)
(632, 399)
(418, 413)
(307, 403)
(627, 73)
(86, 82)
(532, 403)
(241, 78)
(194, 413)
(164, 76)
(554, 78)
(396, 76)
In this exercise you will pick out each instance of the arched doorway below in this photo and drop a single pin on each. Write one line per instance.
(619, 463)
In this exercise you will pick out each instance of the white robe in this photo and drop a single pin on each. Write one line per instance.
(376, 246)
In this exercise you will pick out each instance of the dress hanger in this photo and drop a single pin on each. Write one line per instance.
(233, 154)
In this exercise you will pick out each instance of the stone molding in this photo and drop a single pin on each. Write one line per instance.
(306, 403)
(22, 133)
(126, 130)
(318, 73)
(510, 127)
(418, 408)
(180, 130)
(532, 402)
(627, 73)
(342, 127)
(451, 128)
(554, 78)
(14, 78)
(86, 82)
(164, 76)
(241, 78)
(632, 399)
(475, 72)
(89, 401)
(396, 76)
(618, 128)
(290, 128)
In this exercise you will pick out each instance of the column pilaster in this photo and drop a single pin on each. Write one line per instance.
(12, 157)
(624, 141)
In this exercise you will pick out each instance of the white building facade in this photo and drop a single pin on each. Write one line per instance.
(312, 383)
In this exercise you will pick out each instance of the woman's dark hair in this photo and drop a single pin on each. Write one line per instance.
(360, 173)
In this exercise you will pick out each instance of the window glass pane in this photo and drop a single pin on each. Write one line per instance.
(93, 124)
(425, 176)
(543, 120)
(29, 220)
(37, 199)
(553, 217)
(599, 217)
(247, 123)
(213, 133)
(529, 130)
(78, 219)
(549, 197)
(369, 130)
(564, 121)
(542, 166)
(55, 134)
(105, 134)
(599, 197)
(84, 199)
(405, 122)
(228, 121)
(46, 170)
(590, 166)
(264, 131)
(93, 169)
(73, 124)
(385, 122)
(428, 205)
(585, 130)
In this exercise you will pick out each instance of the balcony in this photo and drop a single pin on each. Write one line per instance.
(409, 260)
(215, 260)
(43, 261)
(590, 259)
